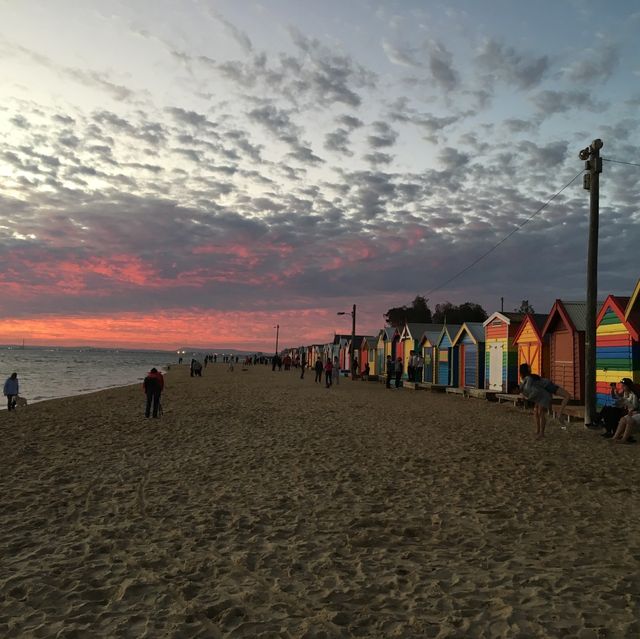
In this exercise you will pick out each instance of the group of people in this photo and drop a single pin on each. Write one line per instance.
(415, 366)
(620, 420)
(394, 371)
(327, 368)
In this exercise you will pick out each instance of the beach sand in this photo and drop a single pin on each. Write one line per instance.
(262, 505)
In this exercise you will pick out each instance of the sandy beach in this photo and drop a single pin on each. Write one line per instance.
(262, 505)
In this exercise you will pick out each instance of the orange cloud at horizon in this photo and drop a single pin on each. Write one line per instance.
(173, 330)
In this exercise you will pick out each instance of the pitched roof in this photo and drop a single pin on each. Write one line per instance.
(475, 329)
(390, 331)
(618, 305)
(537, 321)
(431, 335)
(574, 312)
(451, 330)
(416, 329)
(633, 306)
(506, 316)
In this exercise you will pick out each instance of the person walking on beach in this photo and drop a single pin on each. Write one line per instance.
(336, 368)
(318, 370)
(328, 372)
(153, 385)
(303, 365)
(540, 391)
(11, 391)
(391, 367)
(398, 371)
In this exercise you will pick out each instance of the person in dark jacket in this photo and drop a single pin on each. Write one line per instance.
(153, 386)
(318, 370)
(391, 369)
(11, 391)
(398, 371)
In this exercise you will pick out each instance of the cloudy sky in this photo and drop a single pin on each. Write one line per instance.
(198, 171)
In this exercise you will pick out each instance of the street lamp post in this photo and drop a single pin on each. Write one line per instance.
(277, 327)
(353, 338)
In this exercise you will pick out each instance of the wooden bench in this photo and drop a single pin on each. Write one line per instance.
(480, 393)
(439, 388)
(575, 412)
(516, 400)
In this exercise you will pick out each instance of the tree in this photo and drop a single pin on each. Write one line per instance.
(418, 313)
(450, 314)
(525, 307)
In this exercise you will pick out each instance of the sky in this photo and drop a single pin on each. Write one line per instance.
(196, 172)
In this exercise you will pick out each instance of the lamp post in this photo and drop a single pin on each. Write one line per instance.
(353, 338)
(277, 327)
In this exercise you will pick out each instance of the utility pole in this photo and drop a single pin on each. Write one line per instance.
(591, 182)
(277, 336)
(352, 347)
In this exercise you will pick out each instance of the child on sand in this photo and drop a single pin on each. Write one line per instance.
(540, 391)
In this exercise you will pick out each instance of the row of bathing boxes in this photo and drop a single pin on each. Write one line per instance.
(486, 355)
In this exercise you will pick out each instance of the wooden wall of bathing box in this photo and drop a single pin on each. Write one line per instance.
(470, 353)
(565, 327)
(501, 354)
(617, 346)
(632, 316)
(380, 352)
(410, 337)
(532, 348)
(447, 364)
(368, 353)
(428, 348)
(391, 340)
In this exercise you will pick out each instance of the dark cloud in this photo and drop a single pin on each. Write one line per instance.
(191, 118)
(504, 64)
(552, 102)
(237, 34)
(350, 122)
(433, 126)
(19, 121)
(377, 158)
(383, 136)
(517, 125)
(595, 65)
(441, 66)
(338, 141)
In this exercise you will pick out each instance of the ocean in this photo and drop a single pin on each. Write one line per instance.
(46, 372)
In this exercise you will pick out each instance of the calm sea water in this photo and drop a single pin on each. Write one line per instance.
(45, 373)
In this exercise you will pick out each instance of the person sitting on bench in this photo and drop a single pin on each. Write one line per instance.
(610, 416)
(631, 421)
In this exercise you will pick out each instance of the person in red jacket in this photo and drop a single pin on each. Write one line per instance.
(153, 385)
(328, 372)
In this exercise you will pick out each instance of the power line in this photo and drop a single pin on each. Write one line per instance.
(620, 162)
(506, 237)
